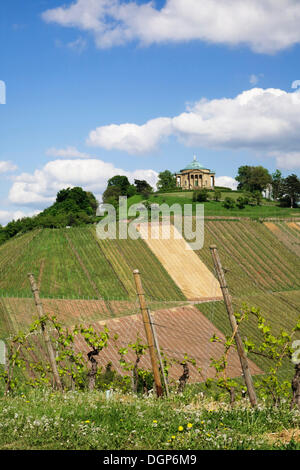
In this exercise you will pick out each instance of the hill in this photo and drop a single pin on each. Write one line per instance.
(72, 263)
(72, 207)
(214, 208)
(85, 279)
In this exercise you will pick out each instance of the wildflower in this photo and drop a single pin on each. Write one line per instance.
(154, 421)
(189, 425)
(173, 437)
(180, 428)
(87, 421)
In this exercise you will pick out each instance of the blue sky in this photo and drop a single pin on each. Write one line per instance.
(90, 94)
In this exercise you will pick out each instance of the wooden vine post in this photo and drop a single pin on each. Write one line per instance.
(234, 325)
(158, 352)
(47, 339)
(148, 331)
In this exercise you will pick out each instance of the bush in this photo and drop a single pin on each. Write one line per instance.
(228, 203)
(200, 195)
(217, 195)
(241, 202)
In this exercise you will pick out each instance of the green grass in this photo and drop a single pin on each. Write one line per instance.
(87, 421)
(70, 263)
(253, 256)
(213, 208)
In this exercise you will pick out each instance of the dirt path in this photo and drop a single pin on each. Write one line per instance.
(184, 266)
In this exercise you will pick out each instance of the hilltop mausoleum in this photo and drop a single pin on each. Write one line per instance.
(195, 176)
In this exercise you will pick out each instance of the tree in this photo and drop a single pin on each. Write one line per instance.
(166, 180)
(111, 195)
(290, 190)
(217, 195)
(243, 177)
(121, 182)
(253, 178)
(276, 183)
(143, 187)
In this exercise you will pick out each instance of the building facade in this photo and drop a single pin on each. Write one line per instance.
(195, 176)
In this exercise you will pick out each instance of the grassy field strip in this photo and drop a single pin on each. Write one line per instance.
(157, 282)
(288, 238)
(285, 261)
(263, 258)
(138, 256)
(268, 263)
(236, 274)
(244, 254)
(187, 270)
(109, 249)
(100, 272)
(86, 272)
(52, 259)
(10, 252)
(233, 259)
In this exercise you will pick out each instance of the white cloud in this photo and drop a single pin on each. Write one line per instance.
(226, 181)
(296, 84)
(68, 152)
(254, 79)
(79, 45)
(40, 188)
(287, 160)
(266, 26)
(6, 167)
(8, 216)
(261, 120)
(131, 138)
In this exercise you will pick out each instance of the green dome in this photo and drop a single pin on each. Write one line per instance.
(195, 165)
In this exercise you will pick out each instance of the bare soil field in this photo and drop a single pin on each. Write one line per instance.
(180, 331)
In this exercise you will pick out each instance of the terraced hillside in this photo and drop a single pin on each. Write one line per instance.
(288, 233)
(262, 270)
(71, 263)
(255, 259)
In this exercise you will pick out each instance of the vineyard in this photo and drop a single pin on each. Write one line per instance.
(288, 233)
(90, 302)
(82, 279)
(72, 264)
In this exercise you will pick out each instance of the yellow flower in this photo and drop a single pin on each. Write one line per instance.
(173, 437)
(180, 428)
(87, 421)
(189, 425)
(154, 421)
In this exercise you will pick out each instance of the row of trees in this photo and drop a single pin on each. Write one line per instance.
(257, 179)
(120, 186)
